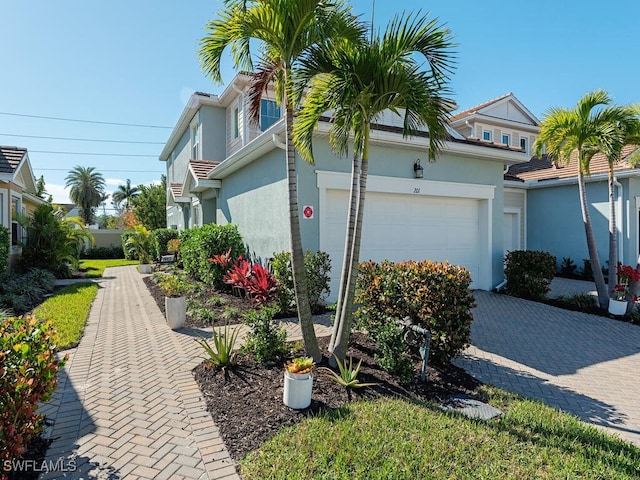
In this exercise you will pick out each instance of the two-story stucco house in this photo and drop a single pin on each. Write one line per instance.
(223, 169)
(17, 194)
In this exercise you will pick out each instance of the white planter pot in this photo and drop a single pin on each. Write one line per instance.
(175, 311)
(297, 390)
(144, 268)
(617, 307)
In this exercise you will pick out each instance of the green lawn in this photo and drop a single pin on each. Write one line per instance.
(68, 310)
(95, 268)
(397, 439)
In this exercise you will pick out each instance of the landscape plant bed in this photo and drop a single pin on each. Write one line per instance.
(223, 308)
(248, 408)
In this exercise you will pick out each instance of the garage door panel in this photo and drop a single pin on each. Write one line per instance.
(405, 227)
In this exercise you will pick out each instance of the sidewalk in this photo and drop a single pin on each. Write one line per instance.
(127, 405)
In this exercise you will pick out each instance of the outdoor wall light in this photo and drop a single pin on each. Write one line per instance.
(418, 169)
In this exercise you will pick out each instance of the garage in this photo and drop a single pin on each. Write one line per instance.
(417, 225)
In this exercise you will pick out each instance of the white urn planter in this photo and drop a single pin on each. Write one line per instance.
(144, 268)
(617, 307)
(175, 311)
(297, 390)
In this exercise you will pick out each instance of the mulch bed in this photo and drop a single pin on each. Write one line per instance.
(205, 293)
(247, 407)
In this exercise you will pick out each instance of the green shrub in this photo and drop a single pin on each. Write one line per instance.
(104, 253)
(4, 247)
(14, 303)
(28, 370)
(199, 244)
(434, 295)
(266, 340)
(529, 273)
(317, 267)
(141, 242)
(161, 238)
(128, 253)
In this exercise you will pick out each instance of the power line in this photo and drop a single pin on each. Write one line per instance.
(80, 139)
(93, 154)
(83, 121)
(123, 171)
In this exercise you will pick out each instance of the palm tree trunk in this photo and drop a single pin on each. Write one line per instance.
(603, 294)
(613, 237)
(297, 255)
(344, 329)
(346, 262)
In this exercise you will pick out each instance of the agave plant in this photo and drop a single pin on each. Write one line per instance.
(221, 355)
(348, 376)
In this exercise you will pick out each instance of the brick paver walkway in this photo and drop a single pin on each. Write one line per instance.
(583, 364)
(127, 405)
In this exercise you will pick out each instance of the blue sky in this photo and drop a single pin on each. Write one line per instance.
(135, 62)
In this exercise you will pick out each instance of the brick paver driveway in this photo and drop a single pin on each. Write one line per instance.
(583, 364)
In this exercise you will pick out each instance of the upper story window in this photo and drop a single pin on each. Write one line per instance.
(195, 143)
(236, 123)
(16, 230)
(269, 113)
(524, 144)
(487, 135)
(506, 139)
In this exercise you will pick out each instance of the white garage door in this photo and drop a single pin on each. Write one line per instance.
(401, 227)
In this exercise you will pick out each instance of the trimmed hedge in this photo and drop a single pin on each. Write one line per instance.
(103, 253)
(161, 237)
(529, 273)
(434, 295)
(28, 376)
(199, 244)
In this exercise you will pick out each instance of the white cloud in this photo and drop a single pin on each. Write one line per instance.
(115, 181)
(60, 193)
(156, 182)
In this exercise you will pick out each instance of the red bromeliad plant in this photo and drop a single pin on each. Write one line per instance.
(224, 260)
(256, 281)
(626, 276)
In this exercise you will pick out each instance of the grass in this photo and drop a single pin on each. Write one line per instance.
(95, 268)
(398, 439)
(68, 310)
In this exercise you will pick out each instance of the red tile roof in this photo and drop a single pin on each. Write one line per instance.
(201, 168)
(10, 158)
(544, 169)
(176, 189)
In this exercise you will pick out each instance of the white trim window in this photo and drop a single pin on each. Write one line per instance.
(487, 135)
(195, 143)
(236, 123)
(506, 139)
(524, 144)
(16, 230)
(269, 113)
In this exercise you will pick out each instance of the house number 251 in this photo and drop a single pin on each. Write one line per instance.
(416, 190)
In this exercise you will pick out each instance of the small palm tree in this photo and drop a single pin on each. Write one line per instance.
(364, 80)
(286, 30)
(87, 190)
(124, 194)
(580, 133)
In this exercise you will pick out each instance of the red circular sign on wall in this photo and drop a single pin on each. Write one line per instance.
(307, 212)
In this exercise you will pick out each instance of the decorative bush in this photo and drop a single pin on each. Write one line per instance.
(128, 253)
(198, 244)
(161, 238)
(19, 293)
(4, 247)
(317, 267)
(104, 253)
(434, 295)
(28, 369)
(529, 273)
(266, 340)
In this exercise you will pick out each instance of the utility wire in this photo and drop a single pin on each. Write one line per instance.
(93, 154)
(80, 139)
(83, 121)
(123, 171)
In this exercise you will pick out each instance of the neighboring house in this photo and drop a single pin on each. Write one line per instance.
(17, 195)
(554, 218)
(223, 169)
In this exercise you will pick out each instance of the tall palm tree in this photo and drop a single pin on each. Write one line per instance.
(582, 132)
(285, 30)
(87, 190)
(628, 132)
(124, 194)
(364, 80)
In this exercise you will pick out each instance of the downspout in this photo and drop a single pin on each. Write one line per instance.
(472, 127)
(620, 188)
(278, 143)
(500, 286)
